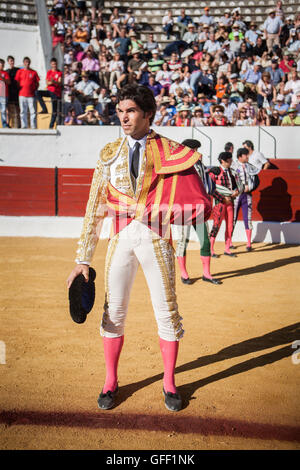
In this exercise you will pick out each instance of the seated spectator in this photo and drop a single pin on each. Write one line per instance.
(71, 119)
(100, 28)
(251, 78)
(246, 64)
(226, 19)
(151, 44)
(135, 42)
(129, 20)
(174, 63)
(70, 7)
(239, 21)
(235, 43)
(204, 104)
(221, 87)
(109, 42)
(230, 109)
(198, 118)
(236, 29)
(177, 82)
(191, 34)
(81, 37)
(293, 43)
(97, 7)
(122, 45)
(156, 62)
(91, 64)
(182, 22)
(207, 18)
(242, 119)
(162, 116)
(212, 46)
(251, 35)
(265, 61)
(274, 118)
(80, 9)
(291, 119)
(262, 118)
(85, 89)
(163, 76)
(183, 118)
(281, 107)
(155, 86)
(115, 22)
(91, 117)
(248, 106)
(217, 117)
(266, 92)
(289, 88)
(260, 47)
(168, 23)
(287, 63)
(236, 89)
(276, 73)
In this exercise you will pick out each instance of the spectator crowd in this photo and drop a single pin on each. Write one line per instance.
(212, 72)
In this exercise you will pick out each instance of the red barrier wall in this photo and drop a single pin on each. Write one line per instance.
(35, 191)
(27, 191)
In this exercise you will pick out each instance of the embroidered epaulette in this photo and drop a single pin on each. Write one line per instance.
(110, 150)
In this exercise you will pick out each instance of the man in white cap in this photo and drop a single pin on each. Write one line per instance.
(272, 29)
(281, 106)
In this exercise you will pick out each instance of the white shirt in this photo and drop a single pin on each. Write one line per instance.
(131, 144)
(257, 159)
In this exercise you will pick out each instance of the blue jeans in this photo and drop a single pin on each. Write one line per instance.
(3, 103)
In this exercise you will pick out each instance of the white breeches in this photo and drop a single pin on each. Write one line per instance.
(137, 245)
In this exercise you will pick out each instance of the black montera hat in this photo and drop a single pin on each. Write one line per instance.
(82, 296)
(192, 143)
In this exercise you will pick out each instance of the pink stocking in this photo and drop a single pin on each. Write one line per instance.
(169, 351)
(248, 233)
(206, 266)
(182, 266)
(112, 351)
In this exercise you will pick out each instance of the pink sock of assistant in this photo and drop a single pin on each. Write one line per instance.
(182, 266)
(169, 351)
(227, 245)
(206, 266)
(112, 351)
(248, 234)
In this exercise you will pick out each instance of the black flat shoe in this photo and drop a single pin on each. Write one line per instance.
(186, 281)
(107, 400)
(230, 254)
(173, 401)
(212, 280)
(232, 247)
(249, 248)
(215, 256)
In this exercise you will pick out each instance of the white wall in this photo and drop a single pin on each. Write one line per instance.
(78, 147)
(20, 41)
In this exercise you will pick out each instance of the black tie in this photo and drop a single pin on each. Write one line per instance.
(135, 160)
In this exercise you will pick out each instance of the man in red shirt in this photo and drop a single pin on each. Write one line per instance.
(54, 87)
(4, 82)
(28, 81)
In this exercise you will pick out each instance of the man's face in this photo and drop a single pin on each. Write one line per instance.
(26, 63)
(11, 63)
(53, 65)
(227, 163)
(134, 121)
(1, 66)
(244, 158)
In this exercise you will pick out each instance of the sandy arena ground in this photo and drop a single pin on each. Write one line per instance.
(237, 369)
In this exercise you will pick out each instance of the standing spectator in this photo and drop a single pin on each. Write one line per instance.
(97, 7)
(54, 91)
(28, 81)
(122, 44)
(168, 23)
(206, 18)
(4, 83)
(13, 95)
(116, 68)
(182, 22)
(272, 29)
(256, 158)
